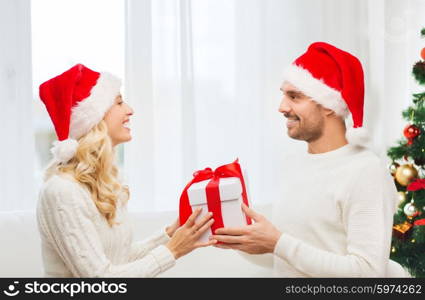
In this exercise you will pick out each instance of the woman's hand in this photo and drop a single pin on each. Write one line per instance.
(185, 239)
(172, 228)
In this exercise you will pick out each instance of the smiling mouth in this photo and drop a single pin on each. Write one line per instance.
(126, 124)
(291, 122)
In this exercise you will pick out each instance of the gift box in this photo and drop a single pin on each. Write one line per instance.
(221, 192)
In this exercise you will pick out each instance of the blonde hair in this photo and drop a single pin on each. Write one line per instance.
(94, 167)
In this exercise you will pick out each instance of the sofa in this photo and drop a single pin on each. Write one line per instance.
(20, 252)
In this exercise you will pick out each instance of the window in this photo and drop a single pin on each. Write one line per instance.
(65, 33)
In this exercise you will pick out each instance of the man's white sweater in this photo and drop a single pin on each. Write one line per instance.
(78, 242)
(336, 217)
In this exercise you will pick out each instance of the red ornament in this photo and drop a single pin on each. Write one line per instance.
(423, 53)
(411, 132)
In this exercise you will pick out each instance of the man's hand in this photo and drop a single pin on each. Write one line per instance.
(260, 237)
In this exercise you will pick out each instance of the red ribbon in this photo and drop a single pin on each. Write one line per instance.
(213, 192)
(419, 222)
(418, 184)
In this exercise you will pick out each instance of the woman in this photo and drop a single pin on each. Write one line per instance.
(82, 215)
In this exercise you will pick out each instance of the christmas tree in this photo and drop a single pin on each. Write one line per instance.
(408, 169)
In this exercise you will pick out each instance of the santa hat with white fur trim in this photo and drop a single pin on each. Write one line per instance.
(76, 101)
(333, 78)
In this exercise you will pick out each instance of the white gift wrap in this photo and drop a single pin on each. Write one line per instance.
(231, 201)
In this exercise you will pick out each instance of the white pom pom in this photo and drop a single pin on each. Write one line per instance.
(64, 150)
(357, 136)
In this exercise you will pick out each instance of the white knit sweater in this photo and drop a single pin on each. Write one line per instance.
(336, 216)
(78, 242)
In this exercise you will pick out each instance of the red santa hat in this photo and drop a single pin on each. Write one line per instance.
(333, 78)
(76, 101)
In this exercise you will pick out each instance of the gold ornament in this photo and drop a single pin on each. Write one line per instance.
(401, 197)
(393, 168)
(405, 174)
(393, 249)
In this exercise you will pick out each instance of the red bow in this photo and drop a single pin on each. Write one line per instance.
(213, 192)
(418, 184)
(419, 222)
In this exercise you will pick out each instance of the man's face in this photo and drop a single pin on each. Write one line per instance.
(305, 118)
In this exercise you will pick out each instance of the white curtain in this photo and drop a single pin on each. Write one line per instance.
(17, 139)
(204, 76)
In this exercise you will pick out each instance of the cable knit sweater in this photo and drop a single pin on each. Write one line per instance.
(336, 217)
(78, 242)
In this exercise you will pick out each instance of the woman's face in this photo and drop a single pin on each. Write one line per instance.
(117, 119)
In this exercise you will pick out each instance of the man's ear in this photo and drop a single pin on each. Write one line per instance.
(328, 112)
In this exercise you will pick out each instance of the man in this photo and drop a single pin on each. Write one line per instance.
(336, 218)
